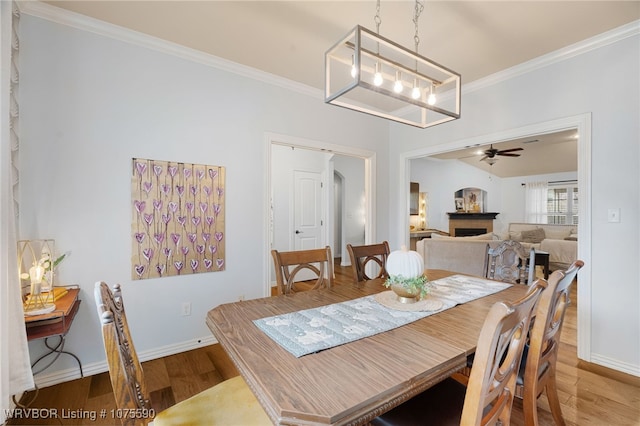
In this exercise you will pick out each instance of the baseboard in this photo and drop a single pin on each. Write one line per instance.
(43, 380)
(614, 364)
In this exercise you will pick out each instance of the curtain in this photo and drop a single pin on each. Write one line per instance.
(536, 202)
(15, 368)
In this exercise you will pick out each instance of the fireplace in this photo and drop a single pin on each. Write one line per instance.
(468, 224)
(469, 232)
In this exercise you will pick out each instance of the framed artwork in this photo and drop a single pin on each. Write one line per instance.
(178, 218)
(474, 201)
(470, 200)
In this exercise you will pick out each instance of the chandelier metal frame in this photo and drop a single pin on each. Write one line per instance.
(369, 73)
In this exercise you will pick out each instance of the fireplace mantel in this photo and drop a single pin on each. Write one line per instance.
(465, 223)
(472, 215)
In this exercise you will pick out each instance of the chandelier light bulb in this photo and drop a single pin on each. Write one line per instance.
(377, 77)
(415, 92)
(431, 100)
(354, 70)
(397, 86)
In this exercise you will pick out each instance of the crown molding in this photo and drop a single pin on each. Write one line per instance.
(609, 37)
(85, 23)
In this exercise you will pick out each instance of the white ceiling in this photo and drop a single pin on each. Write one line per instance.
(542, 154)
(289, 38)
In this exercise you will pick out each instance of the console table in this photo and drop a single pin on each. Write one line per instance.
(54, 324)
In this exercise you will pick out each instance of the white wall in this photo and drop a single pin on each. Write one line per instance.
(89, 104)
(353, 220)
(545, 93)
(441, 179)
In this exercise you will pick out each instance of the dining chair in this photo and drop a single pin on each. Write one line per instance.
(229, 402)
(302, 270)
(538, 366)
(488, 397)
(510, 262)
(361, 256)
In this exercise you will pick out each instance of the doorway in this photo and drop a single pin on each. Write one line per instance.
(324, 158)
(580, 122)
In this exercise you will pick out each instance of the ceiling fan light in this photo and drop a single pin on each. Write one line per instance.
(491, 161)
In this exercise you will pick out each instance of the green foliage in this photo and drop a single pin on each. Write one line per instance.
(418, 285)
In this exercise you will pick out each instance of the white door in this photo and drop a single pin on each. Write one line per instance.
(308, 211)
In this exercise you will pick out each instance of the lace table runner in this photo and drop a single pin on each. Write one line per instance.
(312, 330)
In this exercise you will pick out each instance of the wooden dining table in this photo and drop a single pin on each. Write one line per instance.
(352, 383)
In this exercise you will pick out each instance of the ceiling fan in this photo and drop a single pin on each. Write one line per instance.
(491, 153)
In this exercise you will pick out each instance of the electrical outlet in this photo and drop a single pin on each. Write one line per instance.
(613, 215)
(241, 298)
(186, 309)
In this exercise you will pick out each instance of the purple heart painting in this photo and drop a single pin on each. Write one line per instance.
(169, 205)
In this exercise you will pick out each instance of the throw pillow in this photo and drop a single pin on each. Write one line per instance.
(515, 236)
(533, 236)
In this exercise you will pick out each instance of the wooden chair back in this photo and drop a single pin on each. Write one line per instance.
(290, 265)
(127, 377)
(490, 391)
(361, 256)
(544, 340)
(510, 262)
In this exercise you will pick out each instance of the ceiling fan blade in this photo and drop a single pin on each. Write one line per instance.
(510, 150)
(508, 155)
(484, 158)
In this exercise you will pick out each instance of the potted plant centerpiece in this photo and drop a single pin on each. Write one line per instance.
(406, 275)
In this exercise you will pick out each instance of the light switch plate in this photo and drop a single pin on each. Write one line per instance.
(613, 215)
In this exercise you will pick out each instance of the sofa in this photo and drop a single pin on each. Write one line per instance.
(466, 254)
(560, 241)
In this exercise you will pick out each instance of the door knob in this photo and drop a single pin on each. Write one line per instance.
(298, 232)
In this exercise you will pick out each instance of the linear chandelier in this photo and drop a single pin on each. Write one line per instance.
(369, 73)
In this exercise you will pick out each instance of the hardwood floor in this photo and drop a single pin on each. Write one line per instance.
(590, 395)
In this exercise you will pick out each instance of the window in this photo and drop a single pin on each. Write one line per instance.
(562, 204)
